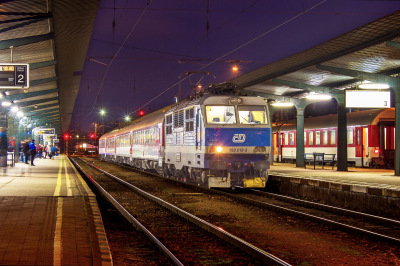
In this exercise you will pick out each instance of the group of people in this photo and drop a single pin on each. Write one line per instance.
(30, 151)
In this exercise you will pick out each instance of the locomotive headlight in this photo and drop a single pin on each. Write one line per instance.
(211, 149)
(259, 149)
(235, 101)
(219, 149)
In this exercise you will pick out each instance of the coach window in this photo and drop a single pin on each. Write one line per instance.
(291, 138)
(220, 114)
(286, 139)
(325, 137)
(333, 137)
(350, 136)
(310, 138)
(317, 137)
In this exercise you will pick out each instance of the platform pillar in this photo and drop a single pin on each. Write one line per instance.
(341, 134)
(397, 133)
(300, 138)
(271, 110)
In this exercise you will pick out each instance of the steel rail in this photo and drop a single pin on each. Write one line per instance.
(328, 208)
(280, 209)
(129, 217)
(256, 252)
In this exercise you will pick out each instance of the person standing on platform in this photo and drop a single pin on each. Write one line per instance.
(25, 151)
(32, 151)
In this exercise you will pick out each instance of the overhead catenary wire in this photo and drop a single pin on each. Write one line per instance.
(112, 60)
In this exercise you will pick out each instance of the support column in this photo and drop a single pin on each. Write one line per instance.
(271, 110)
(300, 138)
(397, 133)
(341, 134)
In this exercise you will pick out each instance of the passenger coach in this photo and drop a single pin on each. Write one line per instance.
(214, 141)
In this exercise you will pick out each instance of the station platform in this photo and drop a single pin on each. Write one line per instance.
(378, 182)
(49, 216)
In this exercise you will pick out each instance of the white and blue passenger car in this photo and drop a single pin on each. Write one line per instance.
(212, 140)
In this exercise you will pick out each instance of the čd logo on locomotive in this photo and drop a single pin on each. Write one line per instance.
(239, 138)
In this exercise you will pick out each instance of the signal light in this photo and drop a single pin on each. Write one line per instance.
(91, 136)
(376, 151)
(66, 136)
(141, 112)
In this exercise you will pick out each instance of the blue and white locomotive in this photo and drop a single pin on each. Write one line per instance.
(212, 140)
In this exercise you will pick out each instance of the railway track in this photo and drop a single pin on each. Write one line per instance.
(380, 228)
(182, 237)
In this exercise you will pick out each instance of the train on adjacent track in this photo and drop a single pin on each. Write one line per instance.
(212, 140)
(370, 138)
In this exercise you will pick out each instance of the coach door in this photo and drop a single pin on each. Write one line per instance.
(358, 141)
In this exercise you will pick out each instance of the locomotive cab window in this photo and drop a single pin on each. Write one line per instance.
(220, 114)
(252, 114)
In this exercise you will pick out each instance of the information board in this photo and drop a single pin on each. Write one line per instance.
(14, 76)
(44, 131)
(367, 99)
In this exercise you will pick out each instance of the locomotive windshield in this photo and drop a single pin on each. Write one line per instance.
(252, 114)
(220, 114)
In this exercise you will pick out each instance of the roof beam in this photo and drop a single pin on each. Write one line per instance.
(41, 81)
(30, 109)
(44, 115)
(308, 87)
(16, 97)
(42, 64)
(393, 44)
(23, 104)
(20, 25)
(393, 82)
(29, 114)
(25, 40)
(266, 95)
(38, 15)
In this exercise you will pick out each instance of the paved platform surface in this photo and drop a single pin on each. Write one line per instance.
(49, 216)
(361, 176)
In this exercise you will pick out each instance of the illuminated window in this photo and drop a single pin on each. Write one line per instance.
(350, 136)
(286, 139)
(252, 114)
(333, 137)
(291, 138)
(310, 138)
(358, 137)
(317, 137)
(220, 114)
(325, 137)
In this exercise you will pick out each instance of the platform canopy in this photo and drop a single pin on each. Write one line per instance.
(369, 53)
(53, 38)
(373, 48)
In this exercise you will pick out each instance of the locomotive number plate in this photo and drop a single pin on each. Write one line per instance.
(238, 150)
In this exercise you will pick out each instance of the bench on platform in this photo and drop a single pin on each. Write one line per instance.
(319, 157)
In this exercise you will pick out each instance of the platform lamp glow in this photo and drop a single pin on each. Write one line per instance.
(235, 69)
(374, 86)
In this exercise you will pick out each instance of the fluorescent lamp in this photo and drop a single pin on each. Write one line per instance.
(19, 114)
(319, 97)
(6, 103)
(14, 109)
(374, 86)
(282, 104)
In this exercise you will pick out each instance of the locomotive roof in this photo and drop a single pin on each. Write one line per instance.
(367, 117)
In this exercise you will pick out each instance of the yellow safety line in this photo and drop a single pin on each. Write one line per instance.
(57, 235)
(69, 190)
(84, 184)
(58, 187)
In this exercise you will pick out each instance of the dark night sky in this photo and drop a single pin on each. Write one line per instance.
(147, 64)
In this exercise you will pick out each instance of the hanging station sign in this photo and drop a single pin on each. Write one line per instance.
(44, 131)
(367, 99)
(14, 76)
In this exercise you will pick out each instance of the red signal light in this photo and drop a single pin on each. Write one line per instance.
(91, 136)
(66, 136)
(141, 112)
(376, 151)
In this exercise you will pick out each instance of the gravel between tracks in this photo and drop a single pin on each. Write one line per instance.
(298, 242)
(190, 244)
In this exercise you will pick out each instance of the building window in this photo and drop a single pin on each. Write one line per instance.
(333, 137)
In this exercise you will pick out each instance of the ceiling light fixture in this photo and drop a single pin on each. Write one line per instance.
(319, 97)
(374, 86)
(282, 104)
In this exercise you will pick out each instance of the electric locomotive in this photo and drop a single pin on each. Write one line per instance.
(212, 140)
